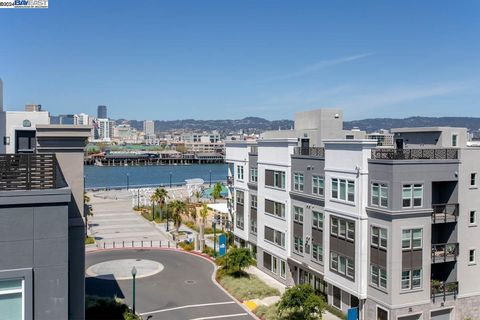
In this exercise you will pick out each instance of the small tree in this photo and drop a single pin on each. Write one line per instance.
(302, 301)
(237, 260)
(198, 194)
(203, 217)
(159, 196)
(217, 191)
(178, 209)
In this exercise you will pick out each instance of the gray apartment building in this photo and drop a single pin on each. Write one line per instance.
(391, 232)
(42, 248)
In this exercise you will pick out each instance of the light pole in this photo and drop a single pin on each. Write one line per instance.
(170, 180)
(128, 181)
(210, 178)
(134, 273)
(214, 225)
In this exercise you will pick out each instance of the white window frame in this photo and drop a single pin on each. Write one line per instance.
(382, 194)
(298, 181)
(276, 176)
(319, 221)
(472, 213)
(318, 183)
(343, 190)
(455, 139)
(376, 312)
(470, 251)
(382, 233)
(254, 201)
(298, 244)
(253, 174)
(411, 239)
(283, 269)
(474, 179)
(298, 214)
(16, 291)
(240, 172)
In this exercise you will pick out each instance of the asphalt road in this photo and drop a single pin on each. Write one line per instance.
(184, 289)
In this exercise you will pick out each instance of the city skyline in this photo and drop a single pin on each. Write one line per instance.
(248, 59)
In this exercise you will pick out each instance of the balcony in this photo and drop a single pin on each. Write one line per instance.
(443, 290)
(444, 213)
(230, 181)
(415, 154)
(316, 152)
(444, 252)
(28, 172)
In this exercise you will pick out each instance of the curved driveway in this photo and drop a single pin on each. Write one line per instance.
(184, 289)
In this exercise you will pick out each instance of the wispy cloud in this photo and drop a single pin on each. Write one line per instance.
(319, 66)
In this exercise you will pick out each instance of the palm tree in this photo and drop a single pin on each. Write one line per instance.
(159, 196)
(217, 191)
(203, 217)
(178, 209)
(198, 194)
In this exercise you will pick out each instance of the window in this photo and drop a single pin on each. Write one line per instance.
(298, 181)
(274, 264)
(240, 197)
(380, 194)
(253, 201)
(298, 245)
(283, 269)
(279, 238)
(411, 239)
(342, 228)
(253, 174)
(318, 185)
(412, 194)
(382, 314)
(471, 256)
(317, 252)
(411, 279)
(345, 192)
(379, 237)
(473, 179)
(454, 140)
(11, 299)
(317, 220)
(279, 179)
(279, 209)
(253, 224)
(337, 297)
(378, 276)
(334, 226)
(239, 220)
(240, 172)
(298, 214)
(473, 217)
(342, 265)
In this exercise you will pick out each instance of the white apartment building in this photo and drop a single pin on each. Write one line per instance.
(105, 129)
(385, 233)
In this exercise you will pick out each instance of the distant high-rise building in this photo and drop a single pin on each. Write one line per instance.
(1, 95)
(66, 119)
(33, 107)
(149, 128)
(102, 112)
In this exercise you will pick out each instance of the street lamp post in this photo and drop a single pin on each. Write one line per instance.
(214, 225)
(134, 273)
(170, 180)
(210, 178)
(128, 181)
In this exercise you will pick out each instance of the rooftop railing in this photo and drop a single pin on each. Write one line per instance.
(444, 252)
(317, 152)
(27, 172)
(444, 213)
(444, 289)
(415, 154)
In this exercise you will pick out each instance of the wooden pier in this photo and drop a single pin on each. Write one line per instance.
(145, 159)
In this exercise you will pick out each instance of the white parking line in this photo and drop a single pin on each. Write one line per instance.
(224, 316)
(188, 306)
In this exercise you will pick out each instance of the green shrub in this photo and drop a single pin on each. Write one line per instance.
(100, 308)
(89, 240)
(186, 246)
(267, 312)
(236, 261)
(301, 302)
(208, 251)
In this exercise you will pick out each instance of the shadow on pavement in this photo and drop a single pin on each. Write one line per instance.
(103, 288)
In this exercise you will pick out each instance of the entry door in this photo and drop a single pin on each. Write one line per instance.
(304, 145)
(441, 314)
(25, 141)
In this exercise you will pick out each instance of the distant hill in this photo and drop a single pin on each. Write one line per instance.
(258, 125)
(375, 124)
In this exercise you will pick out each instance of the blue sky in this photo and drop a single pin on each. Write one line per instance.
(231, 59)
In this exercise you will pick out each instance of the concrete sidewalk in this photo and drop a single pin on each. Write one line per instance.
(114, 220)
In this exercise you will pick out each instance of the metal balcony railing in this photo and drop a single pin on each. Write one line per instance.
(444, 252)
(27, 172)
(415, 154)
(446, 212)
(317, 152)
(230, 180)
(443, 289)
